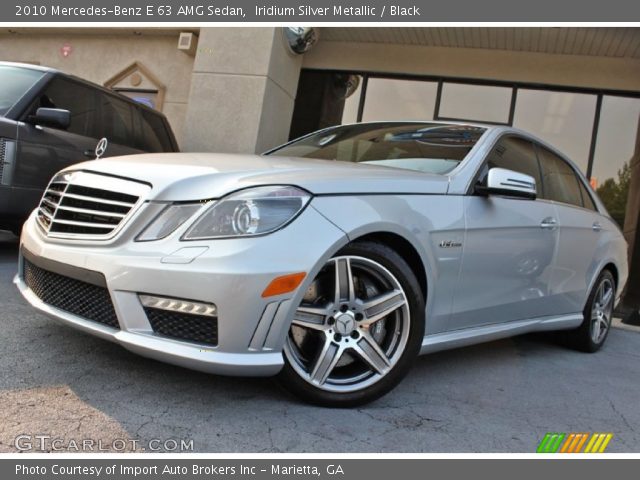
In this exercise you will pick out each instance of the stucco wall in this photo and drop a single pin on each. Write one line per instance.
(100, 57)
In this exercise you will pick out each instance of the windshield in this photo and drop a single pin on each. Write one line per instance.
(425, 147)
(14, 83)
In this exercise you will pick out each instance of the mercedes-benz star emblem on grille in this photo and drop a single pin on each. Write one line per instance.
(101, 147)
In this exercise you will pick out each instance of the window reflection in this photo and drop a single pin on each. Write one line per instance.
(615, 145)
(394, 99)
(565, 120)
(479, 103)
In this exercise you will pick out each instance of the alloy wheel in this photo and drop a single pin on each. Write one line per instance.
(602, 310)
(351, 327)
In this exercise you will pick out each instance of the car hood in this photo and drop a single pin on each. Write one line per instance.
(197, 176)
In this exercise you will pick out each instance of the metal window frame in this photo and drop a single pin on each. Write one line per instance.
(515, 86)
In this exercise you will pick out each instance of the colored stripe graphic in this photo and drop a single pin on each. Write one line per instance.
(554, 442)
(550, 443)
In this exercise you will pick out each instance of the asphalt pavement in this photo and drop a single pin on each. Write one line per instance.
(68, 387)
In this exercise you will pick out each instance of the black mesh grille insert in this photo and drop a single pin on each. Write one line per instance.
(74, 296)
(183, 326)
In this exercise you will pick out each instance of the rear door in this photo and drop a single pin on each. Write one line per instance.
(509, 248)
(579, 231)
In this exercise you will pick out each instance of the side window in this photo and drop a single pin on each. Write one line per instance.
(155, 132)
(116, 120)
(517, 154)
(79, 99)
(560, 181)
(587, 200)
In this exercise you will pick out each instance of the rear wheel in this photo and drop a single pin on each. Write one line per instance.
(358, 329)
(598, 314)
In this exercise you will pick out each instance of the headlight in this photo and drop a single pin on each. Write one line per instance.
(168, 221)
(254, 211)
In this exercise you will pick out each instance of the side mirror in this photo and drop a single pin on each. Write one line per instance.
(501, 181)
(52, 117)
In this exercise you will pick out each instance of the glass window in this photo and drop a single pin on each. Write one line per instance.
(154, 135)
(116, 120)
(565, 120)
(587, 201)
(15, 83)
(79, 99)
(394, 99)
(424, 147)
(351, 103)
(517, 154)
(559, 181)
(475, 102)
(615, 145)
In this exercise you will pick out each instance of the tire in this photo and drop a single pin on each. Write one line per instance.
(598, 313)
(330, 356)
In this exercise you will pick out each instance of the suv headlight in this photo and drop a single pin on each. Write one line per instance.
(250, 212)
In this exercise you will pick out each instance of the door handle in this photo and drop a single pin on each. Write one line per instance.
(549, 223)
(596, 226)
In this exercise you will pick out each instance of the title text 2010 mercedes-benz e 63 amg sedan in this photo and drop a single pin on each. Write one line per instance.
(333, 260)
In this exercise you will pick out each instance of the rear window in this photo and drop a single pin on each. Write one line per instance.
(15, 82)
(424, 147)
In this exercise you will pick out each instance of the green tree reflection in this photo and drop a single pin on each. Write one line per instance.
(614, 194)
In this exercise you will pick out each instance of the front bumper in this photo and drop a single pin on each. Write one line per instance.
(230, 273)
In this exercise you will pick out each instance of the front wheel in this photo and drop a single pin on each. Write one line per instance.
(357, 330)
(598, 314)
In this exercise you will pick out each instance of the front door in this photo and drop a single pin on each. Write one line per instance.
(509, 248)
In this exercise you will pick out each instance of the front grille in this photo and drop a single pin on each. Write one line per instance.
(84, 205)
(83, 299)
(183, 326)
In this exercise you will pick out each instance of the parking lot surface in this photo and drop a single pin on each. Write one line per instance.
(498, 397)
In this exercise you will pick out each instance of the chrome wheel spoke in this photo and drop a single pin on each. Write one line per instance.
(345, 289)
(596, 331)
(382, 306)
(606, 299)
(369, 350)
(310, 317)
(599, 294)
(326, 362)
(604, 325)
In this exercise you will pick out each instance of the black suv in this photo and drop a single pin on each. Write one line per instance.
(49, 120)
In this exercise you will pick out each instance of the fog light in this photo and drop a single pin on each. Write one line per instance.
(178, 305)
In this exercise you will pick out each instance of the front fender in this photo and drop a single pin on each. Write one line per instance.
(424, 221)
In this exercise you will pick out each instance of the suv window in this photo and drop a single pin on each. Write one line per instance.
(517, 154)
(79, 99)
(15, 83)
(116, 119)
(153, 135)
(560, 181)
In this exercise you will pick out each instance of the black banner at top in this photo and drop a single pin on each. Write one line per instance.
(315, 11)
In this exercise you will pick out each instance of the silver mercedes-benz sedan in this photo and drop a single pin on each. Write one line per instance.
(332, 261)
